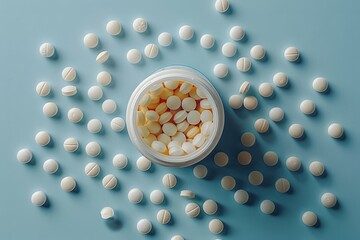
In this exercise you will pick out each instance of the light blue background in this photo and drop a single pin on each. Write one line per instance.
(326, 32)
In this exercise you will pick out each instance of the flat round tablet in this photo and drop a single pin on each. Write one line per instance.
(309, 218)
(75, 115)
(291, 54)
(282, 185)
(94, 125)
(68, 184)
(133, 56)
(107, 213)
(237, 33)
(276, 114)
(151, 50)
(200, 171)
(42, 138)
(255, 178)
(335, 130)
(102, 57)
(93, 149)
(280, 79)
(38, 198)
(163, 216)
(221, 159)
(270, 158)
(117, 124)
(47, 50)
(210, 207)
(328, 200)
(228, 183)
(95, 93)
(50, 166)
(229, 49)
(69, 90)
(68, 74)
(165, 39)
(91, 40)
(177, 237)
(261, 125)
(169, 180)
(296, 130)
(244, 158)
(250, 102)
(140, 25)
(235, 101)
(71, 144)
(216, 226)
(120, 161)
(266, 90)
(157, 197)
(307, 107)
(220, 70)
(267, 206)
(109, 106)
(316, 168)
(222, 5)
(113, 27)
(192, 209)
(293, 164)
(135, 195)
(43, 88)
(109, 181)
(207, 41)
(187, 194)
(241, 196)
(244, 88)
(144, 226)
(257, 52)
(320, 84)
(243, 64)
(92, 169)
(186, 32)
(103, 78)
(143, 164)
(24, 155)
(248, 139)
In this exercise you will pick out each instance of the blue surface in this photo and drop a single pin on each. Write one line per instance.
(326, 32)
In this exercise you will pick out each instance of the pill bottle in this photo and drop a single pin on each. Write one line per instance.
(185, 74)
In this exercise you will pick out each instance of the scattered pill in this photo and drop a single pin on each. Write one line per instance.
(316, 168)
(157, 197)
(71, 144)
(192, 209)
(43, 89)
(244, 158)
(140, 25)
(282, 185)
(151, 50)
(248, 139)
(109, 181)
(328, 200)
(50, 109)
(143, 164)
(133, 56)
(75, 115)
(187, 194)
(220, 70)
(169, 180)
(221, 159)
(68, 184)
(235, 101)
(91, 40)
(120, 161)
(222, 5)
(113, 27)
(135, 195)
(261, 125)
(50, 166)
(163, 216)
(102, 57)
(228, 183)
(94, 125)
(207, 41)
(267, 207)
(24, 155)
(177, 237)
(244, 88)
(117, 124)
(320, 84)
(38, 198)
(270, 158)
(42, 138)
(243, 64)
(215, 225)
(165, 39)
(307, 107)
(210, 207)
(266, 90)
(293, 164)
(109, 106)
(144, 226)
(280, 79)
(107, 213)
(241, 196)
(257, 52)
(186, 32)
(92, 169)
(95, 93)
(229, 49)
(291, 54)
(335, 130)
(47, 50)
(200, 171)
(250, 102)
(93, 149)
(104, 78)
(69, 90)
(276, 114)
(237, 33)
(69, 74)
(255, 178)
(309, 218)
(296, 130)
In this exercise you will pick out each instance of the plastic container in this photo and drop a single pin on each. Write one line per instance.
(185, 74)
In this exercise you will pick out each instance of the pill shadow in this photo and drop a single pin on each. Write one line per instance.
(76, 190)
(98, 47)
(59, 171)
(55, 56)
(221, 210)
(265, 59)
(214, 48)
(78, 97)
(193, 40)
(110, 63)
(58, 115)
(113, 223)
(47, 204)
(228, 76)
(121, 35)
(171, 222)
(51, 144)
(278, 209)
(229, 12)
(337, 206)
(253, 199)
(148, 31)
(152, 232)
(158, 58)
(101, 155)
(318, 223)
(226, 230)
(32, 162)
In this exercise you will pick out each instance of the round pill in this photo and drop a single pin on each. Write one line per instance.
(38, 198)
(107, 213)
(133, 56)
(335, 130)
(117, 124)
(296, 130)
(210, 207)
(244, 158)
(266, 90)
(151, 50)
(24, 155)
(193, 117)
(250, 102)
(192, 209)
(93, 149)
(220, 70)
(113, 27)
(309, 218)
(157, 197)
(69, 74)
(228, 183)
(241, 196)
(165, 39)
(109, 106)
(200, 171)
(71, 144)
(255, 178)
(320, 84)
(267, 206)
(163, 216)
(91, 40)
(222, 5)
(177, 237)
(143, 164)
(207, 41)
(47, 50)
(69, 91)
(68, 184)
(188, 104)
(109, 181)
(261, 125)
(307, 107)
(276, 114)
(186, 32)
(103, 78)
(135, 195)
(229, 49)
(169, 180)
(291, 54)
(94, 125)
(243, 64)
(316, 168)
(221, 159)
(257, 52)
(270, 158)
(280, 79)
(187, 194)
(144, 226)
(92, 169)
(50, 109)
(42, 138)
(173, 102)
(75, 115)
(140, 25)
(293, 164)
(237, 33)
(120, 161)
(282, 185)
(244, 88)
(95, 93)
(50, 166)
(215, 225)
(102, 57)
(248, 139)
(235, 101)
(328, 200)
(43, 88)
